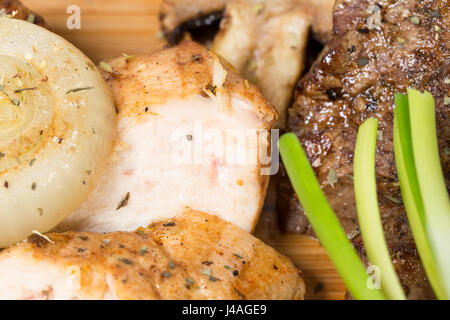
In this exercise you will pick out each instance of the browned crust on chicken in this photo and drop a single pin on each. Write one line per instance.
(355, 78)
(180, 71)
(22, 12)
(194, 256)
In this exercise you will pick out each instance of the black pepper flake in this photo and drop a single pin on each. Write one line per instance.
(124, 201)
(238, 256)
(319, 287)
(81, 250)
(6, 184)
(32, 162)
(33, 186)
(146, 109)
(37, 240)
(275, 267)
(207, 263)
(59, 140)
(126, 261)
(351, 49)
(235, 273)
(84, 238)
(212, 88)
(2, 155)
(196, 57)
(363, 30)
(331, 94)
(169, 224)
(189, 137)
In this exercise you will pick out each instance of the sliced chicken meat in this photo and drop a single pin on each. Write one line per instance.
(192, 133)
(266, 41)
(180, 15)
(193, 256)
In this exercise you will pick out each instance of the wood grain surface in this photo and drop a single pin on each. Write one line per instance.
(112, 27)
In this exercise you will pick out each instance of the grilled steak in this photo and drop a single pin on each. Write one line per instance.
(22, 12)
(379, 48)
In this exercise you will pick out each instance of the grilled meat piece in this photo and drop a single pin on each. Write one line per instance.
(187, 137)
(379, 48)
(22, 12)
(193, 256)
(179, 16)
(266, 42)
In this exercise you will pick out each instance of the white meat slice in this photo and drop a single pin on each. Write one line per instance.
(187, 138)
(194, 256)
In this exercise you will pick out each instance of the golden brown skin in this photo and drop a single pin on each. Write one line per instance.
(23, 12)
(179, 72)
(194, 256)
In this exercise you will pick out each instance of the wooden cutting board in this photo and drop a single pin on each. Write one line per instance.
(112, 27)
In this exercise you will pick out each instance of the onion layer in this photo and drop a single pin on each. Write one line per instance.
(57, 124)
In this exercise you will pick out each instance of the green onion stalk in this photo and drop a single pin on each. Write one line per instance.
(368, 211)
(324, 221)
(423, 187)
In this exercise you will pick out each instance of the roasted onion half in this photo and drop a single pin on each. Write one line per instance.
(57, 125)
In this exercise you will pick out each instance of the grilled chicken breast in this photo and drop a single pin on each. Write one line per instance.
(192, 133)
(193, 256)
(266, 41)
(180, 15)
(379, 49)
(9, 7)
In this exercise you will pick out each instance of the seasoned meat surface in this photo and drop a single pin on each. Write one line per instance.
(379, 48)
(193, 256)
(178, 16)
(22, 12)
(266, 42)
(179, 147)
